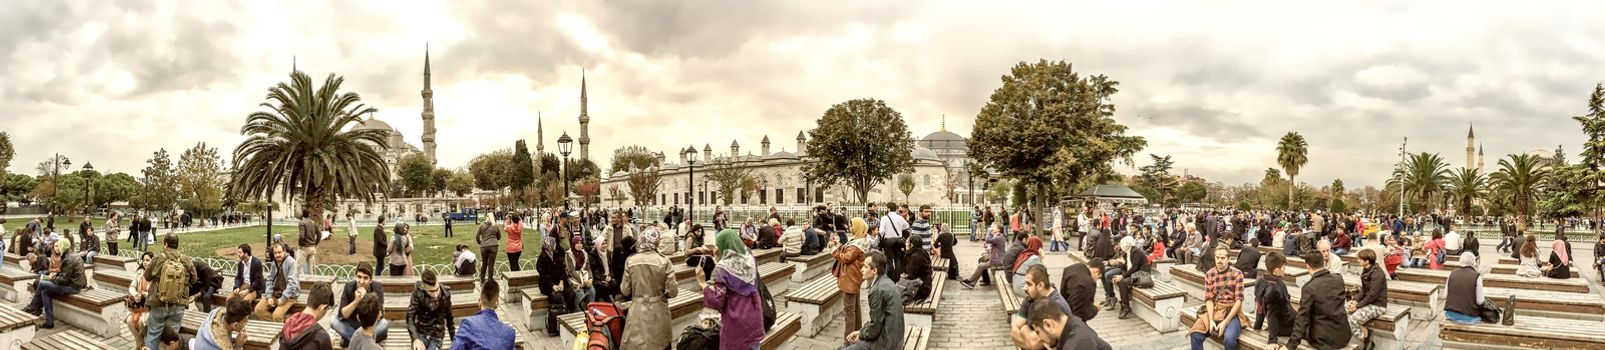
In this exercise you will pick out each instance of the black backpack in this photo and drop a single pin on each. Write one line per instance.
(699, 337)
(768, 303)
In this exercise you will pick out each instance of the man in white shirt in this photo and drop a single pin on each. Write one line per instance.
(891, 241)
(1453, 243)
(351, 233)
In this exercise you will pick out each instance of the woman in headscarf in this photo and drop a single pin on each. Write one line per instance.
(553, 275)
(733, 292)
(649, 282)
(849, 279)
(580, 273)
(1032, 255)
(1560, 260)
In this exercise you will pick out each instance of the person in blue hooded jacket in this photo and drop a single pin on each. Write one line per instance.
(483, 330)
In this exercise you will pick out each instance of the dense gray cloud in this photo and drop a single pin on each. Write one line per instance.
(1213, 85)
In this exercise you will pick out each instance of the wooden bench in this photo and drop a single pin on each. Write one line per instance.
(810, 266)
(18, 261)
(570, 325)
(786, 326)
(260, 335)
(1159, 305)
(97, 311)
(1388, 329)
(1424, 299)
(677, 258)
(940, 264)
(923, 313)
(1528, 332)
(395, 308)
(14, 283)
(1571, 285)
(916, 338)
(515, 281)
(1248, 339)
(1504, 269)
(536, 307)
(117, 262)
(64, 340)
(776, 276)
(16, 327)
(1011, 301)
(307, 281)
(403, 285)
(685, 277)
(1188, 275)
(1561, 305)
(765, 256)
(398, 339)
(818, 301)
(114, 279)
(1162, 268)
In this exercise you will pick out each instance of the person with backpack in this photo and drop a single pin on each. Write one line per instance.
(649, 283)
(302, 331)
(885, 327)
(733, 293)
(483, 330)
(489, 237)
(171, 274)
(283, 286)
(429, 317)
(381, 247)
(67, 280)
(400, 250)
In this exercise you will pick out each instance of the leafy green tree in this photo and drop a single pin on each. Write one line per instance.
(905, 184)
(306, 144)
(491, 169)
(158, 190)
(438, 180)
(460, 183)
(861, 143)
(1292, 153)
(1521, 176)
(416, 174)
(583, 170)
(113, 188)
(1336, 194)
(1559, 159)
(1157, 176)
(1048, 124)
(1192, 192)
(632, 156)
(1466, 186)
(16, 188)
(201, 181)
(1594, 149)
(7, 154)
(1423, 175)
(1567, 192)
(523, 172)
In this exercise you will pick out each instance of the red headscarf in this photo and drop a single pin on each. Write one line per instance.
(1033, 247)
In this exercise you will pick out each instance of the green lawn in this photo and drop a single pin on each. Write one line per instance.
(429, 245)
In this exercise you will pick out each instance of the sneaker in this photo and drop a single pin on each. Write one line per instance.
(1107, 306)
(1125, 313)
(967, 284)
(48, 325)
(1509, 316)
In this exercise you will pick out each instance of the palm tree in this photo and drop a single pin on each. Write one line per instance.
(1465, 186)
(1423, 174)
(1521, 176)
(1291, 153)
(301, 142)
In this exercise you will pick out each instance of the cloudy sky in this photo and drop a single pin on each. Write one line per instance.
(1214, 84)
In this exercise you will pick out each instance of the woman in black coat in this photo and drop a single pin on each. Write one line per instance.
(553, 279)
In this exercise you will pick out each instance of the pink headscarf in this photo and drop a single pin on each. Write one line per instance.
(1560, 250)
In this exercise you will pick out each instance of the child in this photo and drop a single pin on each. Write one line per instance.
(1599, 257)
(1395, 256)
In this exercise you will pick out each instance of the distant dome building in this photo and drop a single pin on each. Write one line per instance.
(396, 145)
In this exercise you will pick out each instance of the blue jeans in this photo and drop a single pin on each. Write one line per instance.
(1054, 246)
(1108, 281)
(584, 296)
(1228, 337)
(1340, 251)
(42, 297)
(1461, 318)
(380, 331)
(430, 342)
(162, 318)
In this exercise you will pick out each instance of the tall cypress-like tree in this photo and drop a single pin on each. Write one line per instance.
(523, 171)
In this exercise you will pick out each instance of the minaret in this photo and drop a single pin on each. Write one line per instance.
(585, 121)
(429, 112)
(540, 143)
(800, 143)
(1479, 157)
(1471, 146)
(765, 144)
(735, 149)
(707, 153)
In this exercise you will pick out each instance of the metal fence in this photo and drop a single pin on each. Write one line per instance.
(957, 217)
(340, 272)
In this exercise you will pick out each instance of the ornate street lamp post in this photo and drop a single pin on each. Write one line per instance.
(87, 202)
(564, 146)
(690, 154)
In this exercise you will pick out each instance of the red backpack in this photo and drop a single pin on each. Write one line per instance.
(606, 324)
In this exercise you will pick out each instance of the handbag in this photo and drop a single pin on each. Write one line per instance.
(1490, 313)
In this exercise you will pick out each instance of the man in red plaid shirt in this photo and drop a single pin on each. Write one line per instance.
(1223, 303)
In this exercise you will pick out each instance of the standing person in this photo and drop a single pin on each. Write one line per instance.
(348, 320)
(1058, 330)
(1272, 300)
(400, 250)
(885, 327)
(448, 225)
(1373, 299)
(720, 221)
(490, 238)
(302, 331)
(351, 234)
(1560, 260)
(733, 293)
(113, 230)
(892, 227)
(1599, 257)
(381, 246)
(617, 230)
(483, 330)
(429, 317)
(1223, 303)
(214, 334)
(1321, 317)
(284, 288)
(849, 275)
(307, 249)
(170, 274)
(367, 315)
(945, 245)
(66, 280)
(649, 282)
(921, 227)
(515, 241)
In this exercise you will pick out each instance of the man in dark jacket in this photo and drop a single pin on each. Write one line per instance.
(248, 280)
(346, 321)
(1079, 289)
(945, 245)
(207, 282)
(381, 246)
(309, 233)
(885, 327)
(1057, 330)
(67, 280)
(489, 237)
(1272, 300)
(1135, 274)
(917, 264)
(302, 331)
(552, 280)
(1248, 259)
(429, 317)
(1321, 318)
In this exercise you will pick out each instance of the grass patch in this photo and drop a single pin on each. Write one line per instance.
(430, 246)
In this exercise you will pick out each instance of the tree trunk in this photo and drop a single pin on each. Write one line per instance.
(1038, 209)
(314, 202)
(1291, 186)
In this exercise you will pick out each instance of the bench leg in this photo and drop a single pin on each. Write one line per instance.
(1394, 340)
(1162, 271)
(13, 339)
(918, 320)
(106, 323)
(1164, 316)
